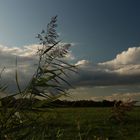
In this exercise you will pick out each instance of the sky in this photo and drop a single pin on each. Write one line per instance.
(104, 37)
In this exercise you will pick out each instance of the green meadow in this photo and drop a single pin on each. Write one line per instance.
(76, 124)
(93, 123)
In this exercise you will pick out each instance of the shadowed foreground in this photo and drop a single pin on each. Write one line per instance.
(93, 123)
(76, 124)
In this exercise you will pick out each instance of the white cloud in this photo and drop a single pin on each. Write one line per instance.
(128, 70)
(103, 93)
(69, 56)
(26, 57)
(118, 96)
(127, 62)
(25, 51)
(27, 60)
(82, 63)
(131, 56)
(30, 50)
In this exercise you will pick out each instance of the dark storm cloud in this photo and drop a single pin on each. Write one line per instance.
(124, 69)
(114, 72)
(102, 78)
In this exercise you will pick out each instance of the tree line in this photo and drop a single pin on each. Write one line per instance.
(26, 102)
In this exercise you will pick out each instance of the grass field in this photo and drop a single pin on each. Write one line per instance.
(92, 123)
(80, 124)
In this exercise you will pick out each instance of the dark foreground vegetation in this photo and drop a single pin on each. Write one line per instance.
(93, 124)
(72, 124)
(69, 120)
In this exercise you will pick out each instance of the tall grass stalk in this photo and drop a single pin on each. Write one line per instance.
(18, 123)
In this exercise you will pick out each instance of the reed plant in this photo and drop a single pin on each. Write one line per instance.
(50, 81)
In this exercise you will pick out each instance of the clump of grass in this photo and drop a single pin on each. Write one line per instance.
(121, 109)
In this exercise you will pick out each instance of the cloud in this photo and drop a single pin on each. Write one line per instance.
(104, 93)
(27, 62)
(122, 97)
(125, 63)
(96, 76)
(130, 56)
(123, 70)
(69, 56)
(82, 63)
(25, 51)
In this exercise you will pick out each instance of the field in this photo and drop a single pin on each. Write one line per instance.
(90, 124)
(76, 124)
